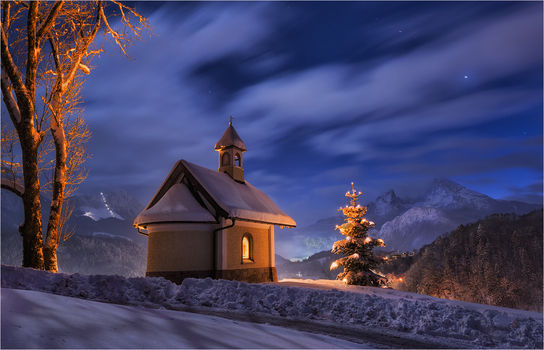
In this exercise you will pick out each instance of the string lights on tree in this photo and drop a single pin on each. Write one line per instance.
(359, 261)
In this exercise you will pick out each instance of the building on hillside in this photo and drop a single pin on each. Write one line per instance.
(206, 223)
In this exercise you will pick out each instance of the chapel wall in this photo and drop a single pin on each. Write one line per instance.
(261, 250)
(187, 250)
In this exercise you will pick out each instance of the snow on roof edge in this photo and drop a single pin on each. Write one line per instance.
(182, 166)
(246, 214)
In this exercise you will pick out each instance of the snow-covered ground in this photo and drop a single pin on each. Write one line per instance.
(38, 320)
(384, 309)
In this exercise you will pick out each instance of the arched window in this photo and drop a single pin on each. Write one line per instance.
(237, 160)
(225, 159)
(247, 248)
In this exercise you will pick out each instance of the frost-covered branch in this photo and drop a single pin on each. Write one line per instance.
(50, 19)
(12, 186)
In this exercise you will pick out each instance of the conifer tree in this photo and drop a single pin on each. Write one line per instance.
(359, 260)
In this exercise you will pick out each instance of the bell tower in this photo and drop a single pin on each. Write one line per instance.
(230, 148)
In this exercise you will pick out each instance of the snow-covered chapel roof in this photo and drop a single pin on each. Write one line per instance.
(190, 191)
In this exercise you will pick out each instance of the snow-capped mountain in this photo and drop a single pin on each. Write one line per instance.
(104, 241)
(449, 195)
(405, 223)
(416, 227)
(109, 212)
(387, 206)
(116, 204)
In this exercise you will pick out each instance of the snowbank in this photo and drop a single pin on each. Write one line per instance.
(419, 314)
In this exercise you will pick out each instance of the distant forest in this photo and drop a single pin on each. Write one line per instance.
(495, 261)
(86, 255)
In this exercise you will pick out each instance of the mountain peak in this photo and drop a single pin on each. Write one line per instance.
(445, 193)
(388, 197)
(446, 183)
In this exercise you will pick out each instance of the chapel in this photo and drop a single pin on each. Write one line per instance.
(206, 223)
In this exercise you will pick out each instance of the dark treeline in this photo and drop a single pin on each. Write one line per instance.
(496, 261)
(86, 255)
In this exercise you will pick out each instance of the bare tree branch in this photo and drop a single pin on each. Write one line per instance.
(11, 70)
(13, 187)
(50, 20)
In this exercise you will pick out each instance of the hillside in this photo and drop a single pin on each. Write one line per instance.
(495, 261)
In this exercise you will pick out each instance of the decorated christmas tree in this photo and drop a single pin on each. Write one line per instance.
(359, 261)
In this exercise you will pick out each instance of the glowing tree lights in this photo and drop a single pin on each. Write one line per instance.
(359, 260)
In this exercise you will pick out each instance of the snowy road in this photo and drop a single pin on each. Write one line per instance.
(39, 320)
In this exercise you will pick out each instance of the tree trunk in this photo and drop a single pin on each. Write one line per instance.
(59, 183)
(31, 230)
(51, 242)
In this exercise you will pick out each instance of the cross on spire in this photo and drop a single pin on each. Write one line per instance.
(230, 120)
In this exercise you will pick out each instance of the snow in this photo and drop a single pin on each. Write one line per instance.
(380, 308)
(100, 213)
(239, 200)
(38, 320)
(178, 204)
(109, 235)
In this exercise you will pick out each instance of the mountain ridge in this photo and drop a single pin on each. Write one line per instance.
(406, 223)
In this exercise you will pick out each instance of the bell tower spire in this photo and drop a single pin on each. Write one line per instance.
(230, 147)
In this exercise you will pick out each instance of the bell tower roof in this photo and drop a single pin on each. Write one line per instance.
(230, 148)
(230, 138)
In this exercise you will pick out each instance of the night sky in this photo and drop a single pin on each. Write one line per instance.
(384, 94)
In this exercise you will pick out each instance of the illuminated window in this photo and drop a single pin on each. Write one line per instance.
(237, 160)
(247, 249)
(225, 159)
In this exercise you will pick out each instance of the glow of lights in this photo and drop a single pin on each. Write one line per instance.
(345, 280)
(349, 238)
(368, 239)
(334, 265)
(400, 279)
(355, 255)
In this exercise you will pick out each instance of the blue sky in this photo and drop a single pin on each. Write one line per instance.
(384, 94)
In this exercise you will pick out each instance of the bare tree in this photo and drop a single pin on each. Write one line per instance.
(47, 48)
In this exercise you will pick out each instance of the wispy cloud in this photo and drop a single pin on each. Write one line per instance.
(403, 96)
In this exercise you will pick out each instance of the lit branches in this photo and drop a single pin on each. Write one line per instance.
(359, 260)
